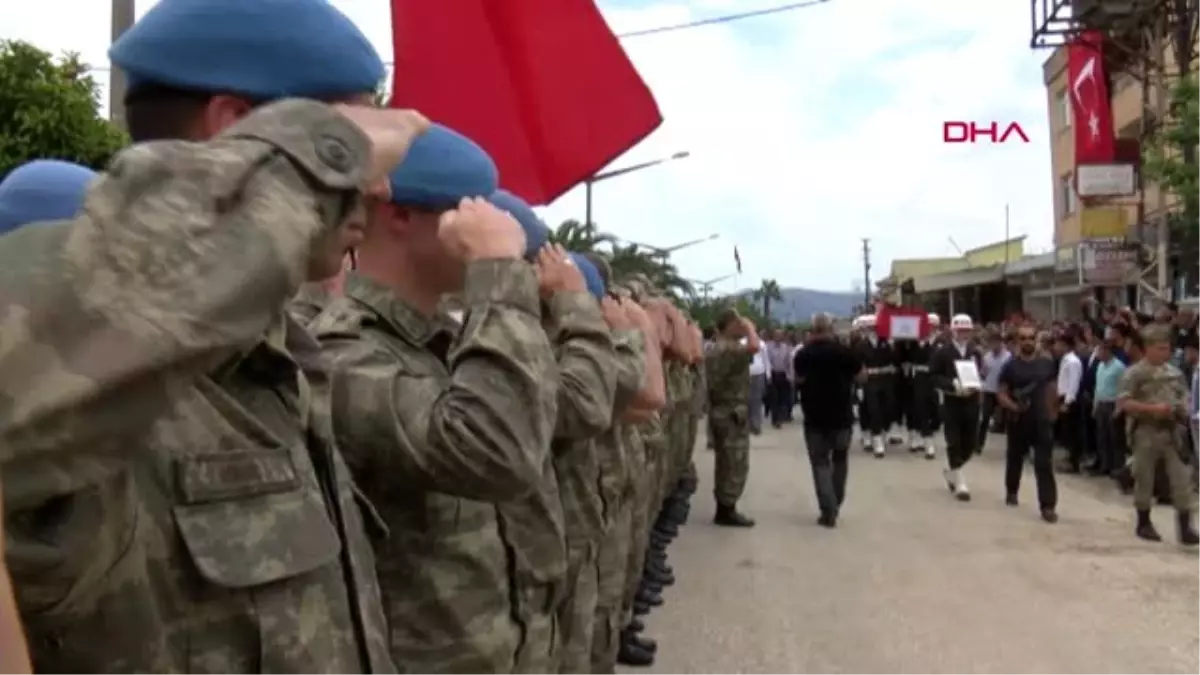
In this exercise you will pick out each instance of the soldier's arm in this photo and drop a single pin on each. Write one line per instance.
(486, 435)
(587, 373)
(652, 395)
(14, 655)
(183, 253)
(1129, 386)
(942, 370)
(629, 348)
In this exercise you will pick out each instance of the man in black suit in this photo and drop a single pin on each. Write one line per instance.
(960, 407)
(826, 371)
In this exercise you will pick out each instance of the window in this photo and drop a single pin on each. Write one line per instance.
(1068, 201)
(1063, 113)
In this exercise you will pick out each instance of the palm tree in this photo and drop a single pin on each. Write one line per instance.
(580, 238)
(627, 259)
(767, 293)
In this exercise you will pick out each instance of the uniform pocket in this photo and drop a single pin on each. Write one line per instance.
(247, 520)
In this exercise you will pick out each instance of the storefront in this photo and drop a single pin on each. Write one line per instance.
(982, 292)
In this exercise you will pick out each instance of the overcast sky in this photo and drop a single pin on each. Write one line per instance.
(807, 130)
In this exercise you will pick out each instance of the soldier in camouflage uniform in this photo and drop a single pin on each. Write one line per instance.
(727, 366)
(572, 292)
(638, 393)
(166, 447)
(1153, 394)
(442, 422)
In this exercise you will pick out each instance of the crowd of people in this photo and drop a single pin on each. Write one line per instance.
(294, 386)
(1116, 390)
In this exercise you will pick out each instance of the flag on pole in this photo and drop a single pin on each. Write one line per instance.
(543, 85)
(737, 259)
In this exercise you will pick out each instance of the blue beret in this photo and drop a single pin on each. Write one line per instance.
(262, 49)
(536, 232)
(441, 168)
(591, 275)
(44, 189)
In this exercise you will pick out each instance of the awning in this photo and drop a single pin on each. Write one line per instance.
(962, 279)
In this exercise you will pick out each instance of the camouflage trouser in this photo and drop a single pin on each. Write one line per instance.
(1150, 446)
(642, 478)
(693, 431)
(577, 613)
(539, 617)
(731, 442)
(612, 562)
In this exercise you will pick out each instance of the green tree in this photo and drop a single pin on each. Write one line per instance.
(1169, 159)
(767, 293)
(50, 109)
(575, 236)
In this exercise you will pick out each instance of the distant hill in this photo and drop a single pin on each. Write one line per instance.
(799, 304)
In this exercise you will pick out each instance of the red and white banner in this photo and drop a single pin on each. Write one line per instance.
(902, 323)
(1087, 85)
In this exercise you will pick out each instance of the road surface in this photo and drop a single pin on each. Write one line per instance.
(913, 581)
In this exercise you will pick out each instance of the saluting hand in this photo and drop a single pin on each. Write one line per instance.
(391, 132)
(557, 273)
(476, 230)
(615, 315)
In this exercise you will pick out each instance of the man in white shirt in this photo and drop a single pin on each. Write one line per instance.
(758, 390)
(1070, 372)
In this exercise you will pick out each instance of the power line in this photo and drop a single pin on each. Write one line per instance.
(699, 23)
(723, 19)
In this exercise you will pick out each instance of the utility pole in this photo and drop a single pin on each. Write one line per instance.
(123, 15)
(866, 272)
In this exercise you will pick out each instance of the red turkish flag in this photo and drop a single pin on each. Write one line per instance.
(886, 313)
(543, 85)
(1088, 88)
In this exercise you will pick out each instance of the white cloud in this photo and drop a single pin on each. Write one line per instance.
(808, 130)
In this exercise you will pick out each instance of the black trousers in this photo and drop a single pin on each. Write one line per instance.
(1025, 435)
(960, 422)
(922, 404)
(827, 449)
(878, 403)
(1070, 432)
(987, 411)
(779, 397)
(1110, 437)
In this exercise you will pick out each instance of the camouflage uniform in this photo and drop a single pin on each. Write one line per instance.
(680, 423)
(727, 366)
(615, 476)
(587, 371)
(698, 410)
(1155, 440)
(437, 428)
(175, 501)
(308, 303)
(638, 488)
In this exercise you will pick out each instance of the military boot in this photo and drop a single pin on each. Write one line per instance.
(1145, 528)
(648, 597)
(633, 654)
(728, 516)
(659, 576)
(1187, 531)
(649, 644)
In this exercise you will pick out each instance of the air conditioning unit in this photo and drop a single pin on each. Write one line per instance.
(1101, 11)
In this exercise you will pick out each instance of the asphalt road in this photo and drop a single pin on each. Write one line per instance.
(913, 581)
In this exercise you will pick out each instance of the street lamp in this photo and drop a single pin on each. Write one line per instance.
(707, 286)
(587, 184)
(665, 251)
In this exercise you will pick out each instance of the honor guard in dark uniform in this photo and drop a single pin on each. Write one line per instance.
(960, 404)
(853, 341)
(880, 362)
(921, 400)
